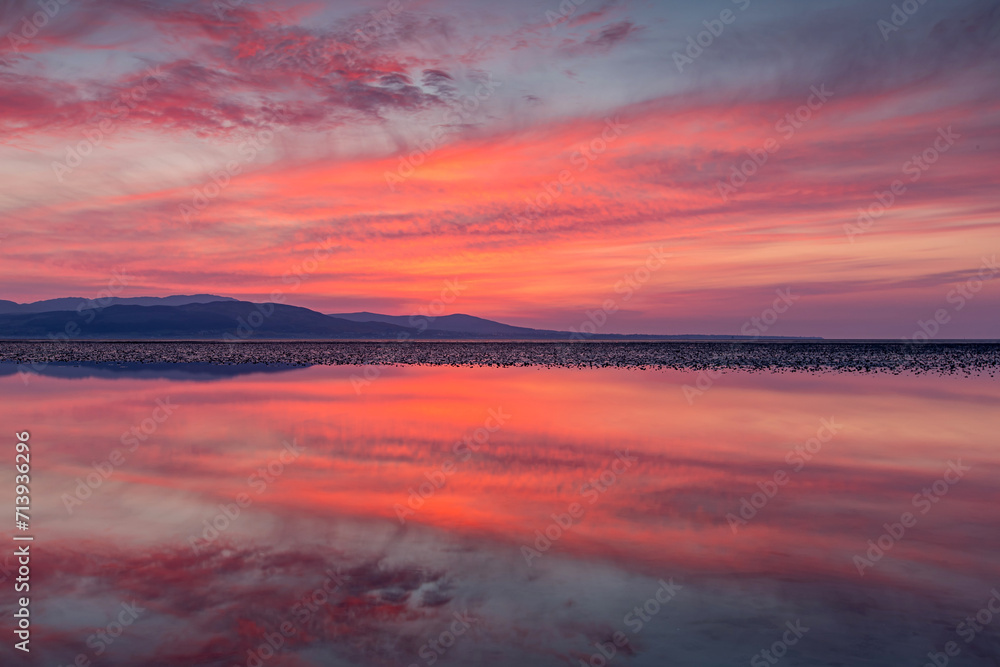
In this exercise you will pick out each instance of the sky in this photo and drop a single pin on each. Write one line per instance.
(736, 166)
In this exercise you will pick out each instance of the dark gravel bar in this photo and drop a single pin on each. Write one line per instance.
(942, 358)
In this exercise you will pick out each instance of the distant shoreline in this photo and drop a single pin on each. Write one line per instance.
(817, 356)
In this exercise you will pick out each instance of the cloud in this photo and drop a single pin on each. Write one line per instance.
(241, 63)
(611, 35)
(346, 112)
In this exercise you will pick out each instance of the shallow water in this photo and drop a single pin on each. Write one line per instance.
(414, 493)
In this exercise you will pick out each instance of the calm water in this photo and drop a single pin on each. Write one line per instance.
(403, 520)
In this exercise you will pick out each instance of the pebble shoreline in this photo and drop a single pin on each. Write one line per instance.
(810, 357)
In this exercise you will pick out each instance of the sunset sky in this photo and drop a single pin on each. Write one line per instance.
(364, 155)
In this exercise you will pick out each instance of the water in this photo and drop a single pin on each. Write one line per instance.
(403, 519)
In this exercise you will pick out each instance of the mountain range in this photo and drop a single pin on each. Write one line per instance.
(73, 303)
(209, 317)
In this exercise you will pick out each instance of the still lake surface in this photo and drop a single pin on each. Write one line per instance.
(506, 516)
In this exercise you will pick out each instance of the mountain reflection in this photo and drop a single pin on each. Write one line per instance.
(151, 371)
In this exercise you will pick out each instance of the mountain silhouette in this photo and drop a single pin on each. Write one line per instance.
(75, 303)
(208, 317)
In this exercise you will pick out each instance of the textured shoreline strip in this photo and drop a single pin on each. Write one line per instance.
(953, 358)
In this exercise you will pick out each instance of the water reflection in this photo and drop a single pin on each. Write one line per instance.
(514, 516)
(150, 371)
